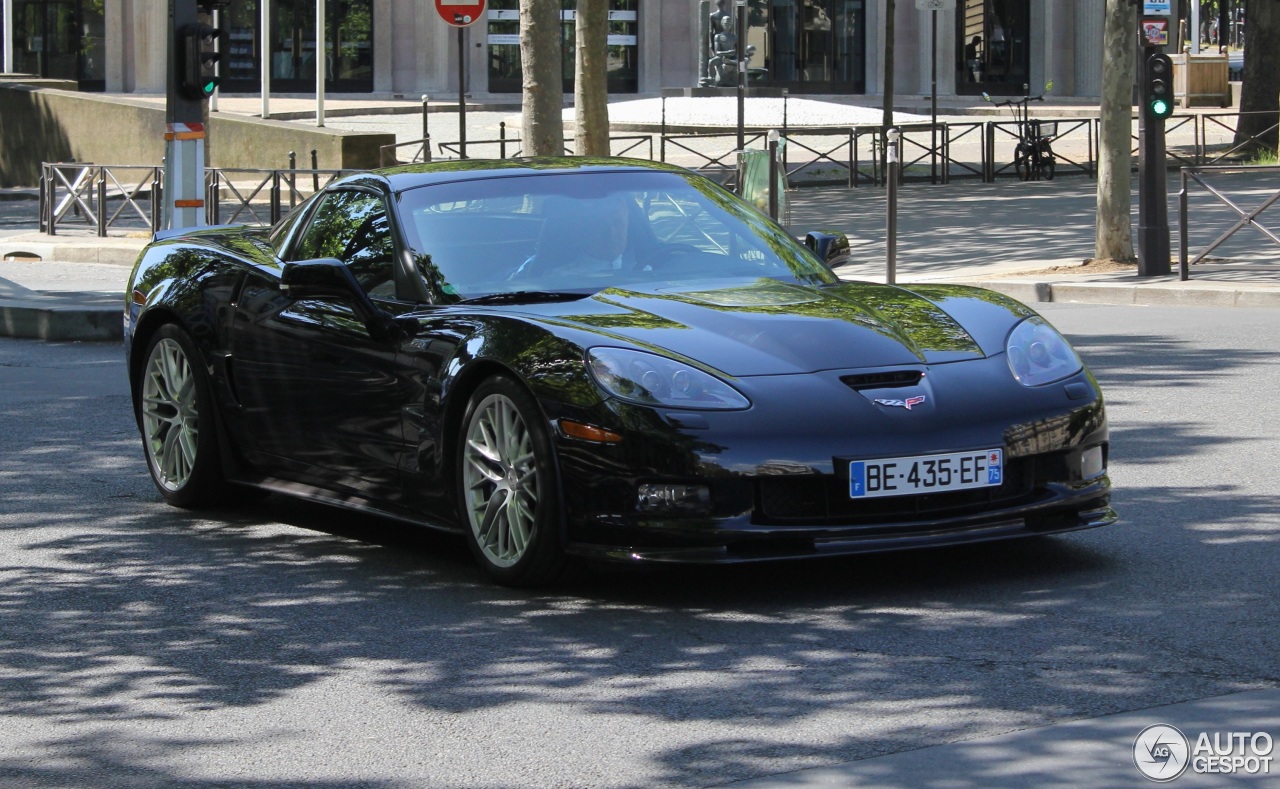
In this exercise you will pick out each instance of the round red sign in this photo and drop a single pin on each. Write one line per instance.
(460, 13)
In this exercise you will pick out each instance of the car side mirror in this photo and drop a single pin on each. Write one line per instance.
(322, 278)
(329, 278)
(831, 246)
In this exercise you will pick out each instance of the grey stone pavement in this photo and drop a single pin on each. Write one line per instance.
(1006, 236)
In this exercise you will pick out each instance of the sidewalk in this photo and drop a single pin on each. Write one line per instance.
(71, 286)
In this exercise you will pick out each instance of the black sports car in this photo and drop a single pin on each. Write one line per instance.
(600, 358)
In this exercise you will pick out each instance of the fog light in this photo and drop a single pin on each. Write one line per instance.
(1091, 462)
(684, 499)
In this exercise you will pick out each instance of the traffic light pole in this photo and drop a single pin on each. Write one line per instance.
(193, 78)
(1153, 195)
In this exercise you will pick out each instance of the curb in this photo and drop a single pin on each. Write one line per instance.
(1155, 294)
(103, 251)
(28, 320)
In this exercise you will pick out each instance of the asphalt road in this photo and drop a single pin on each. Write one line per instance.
(285, 645)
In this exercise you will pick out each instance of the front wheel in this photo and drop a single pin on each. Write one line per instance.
(508, 486)
(175, 412)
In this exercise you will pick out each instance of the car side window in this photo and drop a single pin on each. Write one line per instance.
(353, 227)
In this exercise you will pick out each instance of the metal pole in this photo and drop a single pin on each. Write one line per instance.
(891, 223)
(1153, 200)
(426, 128)
(933, 126)
(315, 175)
(217, 67)
(1183, 272)
(102, 202)
(462, 93)
(773, 174)
(741, 8)
(8, 36)
(662, 139)
(320, 61)
(264, 50)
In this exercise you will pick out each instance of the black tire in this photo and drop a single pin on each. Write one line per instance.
(1022, 163)
(508, 486)
(1047, 165)
(175, 414)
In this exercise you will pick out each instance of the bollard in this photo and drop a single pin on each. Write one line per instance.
(315, 175)
(102, 202)
(773, 174)
(502, 140)
(891, 191)
(426, 129)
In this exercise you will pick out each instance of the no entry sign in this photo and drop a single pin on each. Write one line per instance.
(460, 14)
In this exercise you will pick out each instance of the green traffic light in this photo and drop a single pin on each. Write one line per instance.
(210, 85)
(1160, 108)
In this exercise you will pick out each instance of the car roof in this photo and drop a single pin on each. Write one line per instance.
(410, 176)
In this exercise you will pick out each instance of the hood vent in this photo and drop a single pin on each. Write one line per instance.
(890, 379)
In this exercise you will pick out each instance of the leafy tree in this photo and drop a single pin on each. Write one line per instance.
(541, 127)
(1114, 228)
(590, 85)
(1260, 93)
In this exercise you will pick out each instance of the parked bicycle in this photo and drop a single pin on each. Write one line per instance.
(1033, 158)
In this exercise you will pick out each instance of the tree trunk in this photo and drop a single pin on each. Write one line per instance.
(890, 11)
(1260, 91)
(590, 88)
(1114, 239)
(541, 127)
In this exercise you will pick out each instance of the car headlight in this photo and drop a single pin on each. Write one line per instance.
(649, 379)
(1039, 355)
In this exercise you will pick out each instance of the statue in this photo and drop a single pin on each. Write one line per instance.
(722, 46)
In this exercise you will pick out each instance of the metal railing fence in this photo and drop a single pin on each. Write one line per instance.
(103, 196)
(1247, 218)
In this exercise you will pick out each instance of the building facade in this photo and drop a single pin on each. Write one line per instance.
(402, 47)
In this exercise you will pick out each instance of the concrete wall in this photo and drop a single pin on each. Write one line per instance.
(45, 125)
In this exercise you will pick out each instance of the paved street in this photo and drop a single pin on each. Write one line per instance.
(285, 645)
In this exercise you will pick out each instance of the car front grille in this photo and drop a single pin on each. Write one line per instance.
(811, 499)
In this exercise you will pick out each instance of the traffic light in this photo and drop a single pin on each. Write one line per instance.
(197, 56)
(1159, 86)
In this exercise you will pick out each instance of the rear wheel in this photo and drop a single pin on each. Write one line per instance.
(508, 488)
(1047, 163)
(175, 410)
(1022, 163)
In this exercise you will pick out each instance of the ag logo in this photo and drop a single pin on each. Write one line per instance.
(1160, 752)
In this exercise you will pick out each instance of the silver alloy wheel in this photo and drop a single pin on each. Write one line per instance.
(170, 424)
(500, 480)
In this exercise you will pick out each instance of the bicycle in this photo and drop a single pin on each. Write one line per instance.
(1033, 157)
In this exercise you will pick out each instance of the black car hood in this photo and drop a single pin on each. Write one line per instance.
(767, 327)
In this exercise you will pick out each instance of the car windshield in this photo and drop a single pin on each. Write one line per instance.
(583, 232)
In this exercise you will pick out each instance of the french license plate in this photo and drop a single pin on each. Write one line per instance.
(982, 468)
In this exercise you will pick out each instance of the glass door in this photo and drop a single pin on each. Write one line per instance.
(61, 39)
(992, 46)
(808, 46)
(291, 50)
